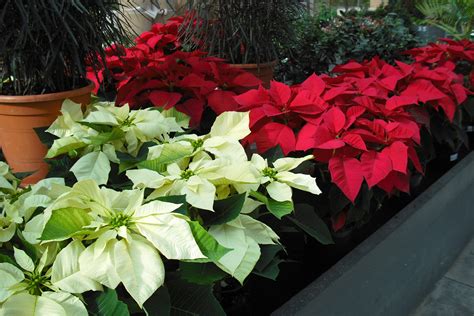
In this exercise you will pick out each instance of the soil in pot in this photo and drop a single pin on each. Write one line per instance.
(19, 116)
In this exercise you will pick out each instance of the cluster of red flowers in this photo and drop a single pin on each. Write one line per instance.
(156, 72)
(365, 122)
(440, 53)
(448, 51)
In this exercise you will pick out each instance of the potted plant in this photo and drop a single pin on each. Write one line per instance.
(44, 50)
(241, 31)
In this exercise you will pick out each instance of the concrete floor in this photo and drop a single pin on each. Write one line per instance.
(453, 295)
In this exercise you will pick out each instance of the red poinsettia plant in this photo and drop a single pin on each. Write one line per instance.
(157, 72)
(458, 56)
(363, 123)
(446, 50)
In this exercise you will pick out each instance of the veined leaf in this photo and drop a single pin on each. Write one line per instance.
(103, 138)
(201, 273)
(203, 301)
(106, 304)
(102, 128)
(170, 153)
(267, 265)
(65, 223)
(208, 244)
(268, 254)
(128, 161)
(159, 303)
(280, 209)
(225, 210)
(64, 145)
(307, 219)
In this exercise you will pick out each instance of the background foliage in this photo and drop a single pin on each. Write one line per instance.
(327, 40)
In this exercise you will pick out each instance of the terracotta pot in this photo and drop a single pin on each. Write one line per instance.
(263, 72)
(19, 115)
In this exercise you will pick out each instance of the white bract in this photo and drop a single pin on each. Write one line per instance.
(29, 291)
(279, 180)
(202, 166)
(105, 129)
(243, 235)
(19, 207)
(127, 239)
(8, 182)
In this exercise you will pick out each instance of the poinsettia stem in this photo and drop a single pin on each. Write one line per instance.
(259, 196)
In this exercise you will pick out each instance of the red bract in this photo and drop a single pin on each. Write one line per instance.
(364, 122)
(155, 72)
(438, 54)
(277, 112)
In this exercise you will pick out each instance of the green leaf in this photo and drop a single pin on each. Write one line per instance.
(64, 146)
(101, 128)
(337, 200)
(271, 271)
(225, 210)
(208, 245)
(128, 161)
(306, 218)
(192, 299)
(280, 209)
(65, 223)
(106, 304)
(181, 118)
(201, 273)
(274, 154)
(267, 265)
(106, 137)
(8, 259)
(159, 303)
(170, 153)
(268, 253)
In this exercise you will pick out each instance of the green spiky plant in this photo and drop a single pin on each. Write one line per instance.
(455, 17)
(241, 31)
(46, 45)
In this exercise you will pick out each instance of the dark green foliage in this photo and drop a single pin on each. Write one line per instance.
(306, 219)
(105, 304)
(46, 44)
(322, 43)
(201, 273)
(241, 31)
(192, 299)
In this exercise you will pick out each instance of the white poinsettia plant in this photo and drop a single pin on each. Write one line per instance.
(97, 135)
(192, 199)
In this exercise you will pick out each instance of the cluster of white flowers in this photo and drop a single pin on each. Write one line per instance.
(87, 237)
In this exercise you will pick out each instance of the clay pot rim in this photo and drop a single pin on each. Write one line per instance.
(250, 66)
(46, 97)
